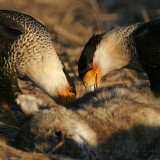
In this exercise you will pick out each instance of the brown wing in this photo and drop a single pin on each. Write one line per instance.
(10, 30)
(147, 39)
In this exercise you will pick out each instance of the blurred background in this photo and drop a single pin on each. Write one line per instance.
(71, 23)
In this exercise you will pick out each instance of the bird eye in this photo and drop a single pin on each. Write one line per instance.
(70, 90)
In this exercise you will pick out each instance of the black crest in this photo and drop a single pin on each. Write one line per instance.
(87, 54)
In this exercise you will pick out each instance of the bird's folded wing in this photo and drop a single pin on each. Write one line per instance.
(147, 41)
(9, 29)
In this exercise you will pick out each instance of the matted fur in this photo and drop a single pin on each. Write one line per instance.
(113, 123)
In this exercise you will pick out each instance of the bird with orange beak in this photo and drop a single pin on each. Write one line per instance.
(136, 47)
(27, 53)
(89, 71)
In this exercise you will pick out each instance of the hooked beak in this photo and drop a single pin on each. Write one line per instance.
(91, 88)
(92, 79)
(67, 95)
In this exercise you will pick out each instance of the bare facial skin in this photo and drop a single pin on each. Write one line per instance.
(92, 78)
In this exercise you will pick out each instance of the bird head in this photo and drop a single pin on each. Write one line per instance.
(49, 74)
(102, 54)
(89, 71)
(36, 58)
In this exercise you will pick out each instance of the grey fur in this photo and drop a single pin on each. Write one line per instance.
(113, 123)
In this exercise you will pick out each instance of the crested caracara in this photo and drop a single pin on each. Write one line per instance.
(27, 53)
(136, 47)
